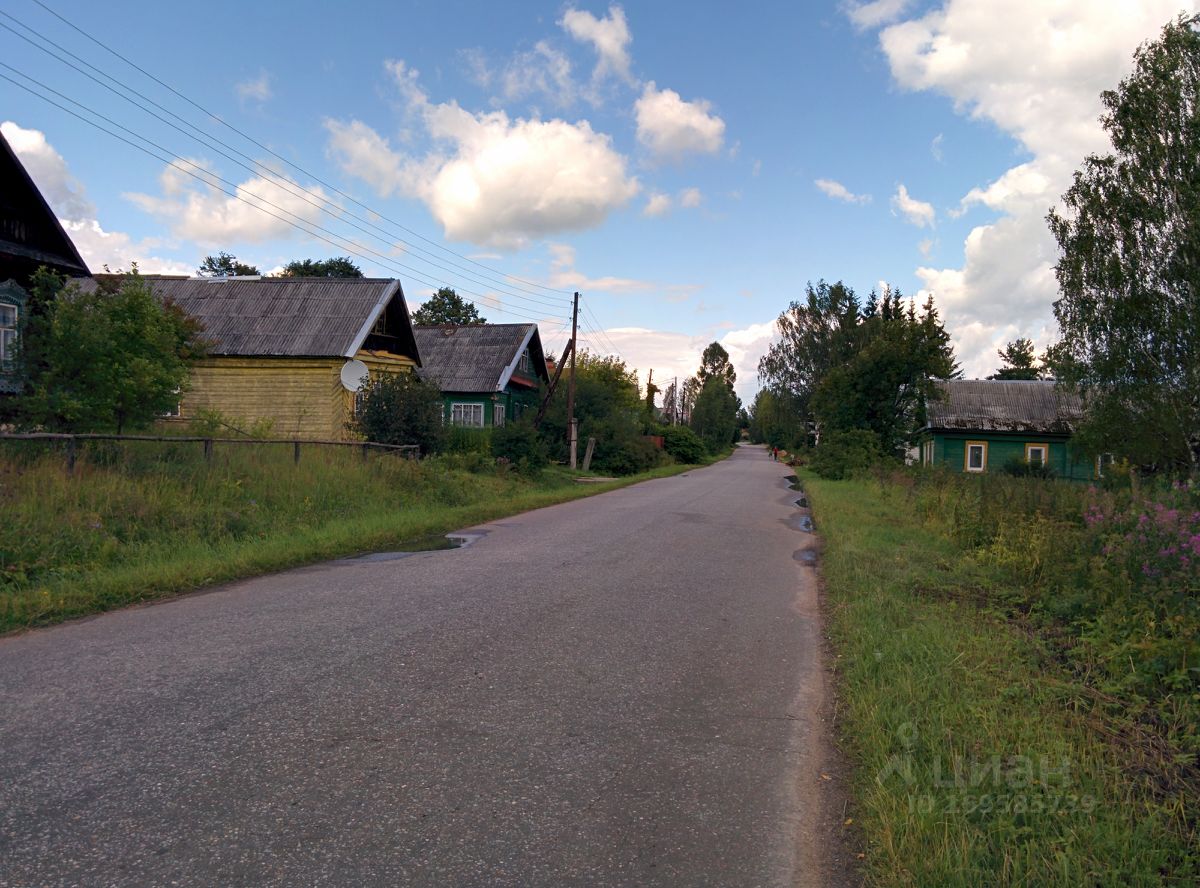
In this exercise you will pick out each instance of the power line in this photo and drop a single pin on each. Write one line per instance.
(270, 176)
(293, 165)
(497, 306)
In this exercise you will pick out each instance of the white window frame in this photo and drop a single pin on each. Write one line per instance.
(8, 333)
(928, 453)
(1102, 460)
(498, 416)
(983, 448)
(462, 408)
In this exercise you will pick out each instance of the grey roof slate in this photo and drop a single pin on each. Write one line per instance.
(995, 405)
(292, 317)
(475, 357)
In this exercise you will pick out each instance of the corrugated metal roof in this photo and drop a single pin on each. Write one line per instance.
(474, 357)
(310, 317)
(995, 405)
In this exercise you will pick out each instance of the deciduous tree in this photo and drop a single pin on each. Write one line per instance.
(1129, 274)
(447, 307)
(335, 267)
(112, 359)
(225, 265)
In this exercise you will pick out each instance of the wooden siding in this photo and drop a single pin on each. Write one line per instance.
(950, 450)
(303, 397)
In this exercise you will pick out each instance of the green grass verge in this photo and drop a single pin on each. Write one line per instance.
(978, 759)
(136, 527)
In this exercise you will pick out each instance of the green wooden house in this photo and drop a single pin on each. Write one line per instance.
(488, 373)
(979, 425)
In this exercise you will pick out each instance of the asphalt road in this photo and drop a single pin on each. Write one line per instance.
(622, 690)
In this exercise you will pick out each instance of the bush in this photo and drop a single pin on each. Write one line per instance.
(1019, 468)
(845, 452)
(518, 442)
(460, 439)
(401, 408)
(683, 444)
(624, 454)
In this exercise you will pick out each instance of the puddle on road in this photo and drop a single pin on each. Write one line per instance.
(806, 556)
(802, 502)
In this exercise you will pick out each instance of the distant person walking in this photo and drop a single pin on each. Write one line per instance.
(775, 454)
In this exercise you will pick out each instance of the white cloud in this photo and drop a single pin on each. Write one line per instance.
(543, 71)
(915, 212)
(491, 179)
(75, 211)
(1035, 72)
(877, 12)
(255, 89)
(610, 38)
(677, 355)
(690, 198)
(935, 147)
(926, 247)
(838, 191)
(658, 204)
(563, 275)
(672, 128)
(263, 209)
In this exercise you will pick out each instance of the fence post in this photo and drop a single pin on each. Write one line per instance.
(71, 455)
(366, 450)
(296, 453)
(208, 450)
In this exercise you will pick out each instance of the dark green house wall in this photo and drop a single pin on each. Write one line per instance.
(949, 449)
(512, 398)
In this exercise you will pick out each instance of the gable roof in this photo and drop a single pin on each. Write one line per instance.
(478, 357)
(1002, 405)
(30, 233)
(292, 317)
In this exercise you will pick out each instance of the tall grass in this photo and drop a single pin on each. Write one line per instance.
(139, 520)
(992, 746)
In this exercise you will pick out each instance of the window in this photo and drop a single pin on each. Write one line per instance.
(470, 415)
(1036, 454)
(176, 411)
(497, 415)
(1103, 461)
(524, 364)
(927, 453)
(8, 334)
(975, 459)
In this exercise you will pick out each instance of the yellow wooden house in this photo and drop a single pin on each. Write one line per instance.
(282, 349)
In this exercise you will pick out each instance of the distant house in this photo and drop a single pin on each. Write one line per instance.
(282, 348)
(30, 237)
(488, 373)
(979, 425)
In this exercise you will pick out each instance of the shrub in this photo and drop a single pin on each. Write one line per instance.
(844, 452)
(683, 444)
(1019, 468)
(401, 408)
(518, 442)
(625, 454)
(460, 439)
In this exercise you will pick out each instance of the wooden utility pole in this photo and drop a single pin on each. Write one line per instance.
(572, 426)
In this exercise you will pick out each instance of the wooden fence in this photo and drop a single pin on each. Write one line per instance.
(412, 451)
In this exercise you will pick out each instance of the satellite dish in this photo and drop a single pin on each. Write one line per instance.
(353, 373)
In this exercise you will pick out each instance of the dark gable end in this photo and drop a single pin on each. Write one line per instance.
(993, 405)
(291, 317)
(477, 357)
(30, 233)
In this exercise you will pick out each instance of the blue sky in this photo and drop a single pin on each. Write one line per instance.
(688, 167)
